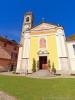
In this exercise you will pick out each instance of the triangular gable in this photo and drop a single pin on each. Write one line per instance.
(43, 26)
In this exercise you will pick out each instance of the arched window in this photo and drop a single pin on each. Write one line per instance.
(42, 43)
(27, 19)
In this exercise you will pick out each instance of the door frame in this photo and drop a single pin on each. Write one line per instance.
(42, 62)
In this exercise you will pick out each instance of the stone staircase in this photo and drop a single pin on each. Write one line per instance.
(41, 73)
(46, 73)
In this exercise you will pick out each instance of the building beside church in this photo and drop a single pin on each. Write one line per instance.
(71, 52)
(44, 42)
(8, 54)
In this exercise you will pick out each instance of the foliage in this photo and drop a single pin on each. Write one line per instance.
(34, 65)
(38, 64)
(49, 64)
(53, 69)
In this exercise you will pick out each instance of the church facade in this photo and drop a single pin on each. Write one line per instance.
(42, 44)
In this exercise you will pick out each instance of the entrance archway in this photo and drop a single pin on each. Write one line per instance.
(43, 62)
(43, 58)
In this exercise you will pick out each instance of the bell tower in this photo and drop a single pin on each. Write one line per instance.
(28, 20)
(23, 56)
(27, 25)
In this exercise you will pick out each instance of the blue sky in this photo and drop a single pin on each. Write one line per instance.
(54, 11)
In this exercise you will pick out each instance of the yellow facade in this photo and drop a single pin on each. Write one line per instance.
(51, 47)
(33, 50)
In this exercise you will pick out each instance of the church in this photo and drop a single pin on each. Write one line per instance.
(44, 46)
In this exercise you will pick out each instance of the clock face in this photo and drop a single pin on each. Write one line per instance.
(26, 26)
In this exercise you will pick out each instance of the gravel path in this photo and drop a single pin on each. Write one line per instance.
(4, 96)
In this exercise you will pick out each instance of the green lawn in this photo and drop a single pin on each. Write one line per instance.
(38, 89)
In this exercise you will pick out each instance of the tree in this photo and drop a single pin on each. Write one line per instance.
(49, 65)
(53, 69)
(34, 65)
(38, 64)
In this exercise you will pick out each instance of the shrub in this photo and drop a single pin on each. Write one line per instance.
(49, 64)
(38, 64)
(34, 65)
(53, 69)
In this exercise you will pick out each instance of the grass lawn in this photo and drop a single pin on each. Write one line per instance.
(38, 89)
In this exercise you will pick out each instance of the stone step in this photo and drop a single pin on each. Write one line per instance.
(41, 73)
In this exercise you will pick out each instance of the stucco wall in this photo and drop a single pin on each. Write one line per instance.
(50, 47)
(71, 54)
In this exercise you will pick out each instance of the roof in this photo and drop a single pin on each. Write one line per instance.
(28, 13)
(45, 28)
(7, 40)
(45, 25)
(71, 38)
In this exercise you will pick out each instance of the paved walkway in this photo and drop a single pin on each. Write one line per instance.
(33, 76)
(4, 96)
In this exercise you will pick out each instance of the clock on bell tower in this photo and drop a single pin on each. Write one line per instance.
(27, 24)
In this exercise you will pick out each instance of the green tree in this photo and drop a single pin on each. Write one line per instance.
(38, 64)
(49, 64)
(34, 65)
(53, 69)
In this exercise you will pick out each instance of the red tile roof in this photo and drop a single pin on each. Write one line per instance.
(7, 40)
(71, 38)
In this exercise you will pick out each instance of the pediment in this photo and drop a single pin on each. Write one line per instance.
(44, 26)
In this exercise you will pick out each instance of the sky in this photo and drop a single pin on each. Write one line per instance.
(12, 12)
